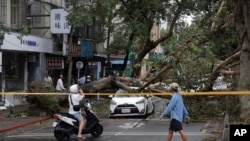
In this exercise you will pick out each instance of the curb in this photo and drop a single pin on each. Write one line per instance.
(25, 124)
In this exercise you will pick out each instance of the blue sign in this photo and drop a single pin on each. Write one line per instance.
(29, 43)
(87, 48)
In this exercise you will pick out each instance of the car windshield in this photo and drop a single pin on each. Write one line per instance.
(123, 93)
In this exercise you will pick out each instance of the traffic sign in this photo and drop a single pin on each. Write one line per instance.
(79, 64)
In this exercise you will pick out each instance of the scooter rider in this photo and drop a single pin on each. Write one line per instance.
(76, 94)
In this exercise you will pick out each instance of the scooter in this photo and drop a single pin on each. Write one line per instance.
(65, 124)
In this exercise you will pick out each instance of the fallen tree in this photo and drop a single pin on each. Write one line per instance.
(113, 82)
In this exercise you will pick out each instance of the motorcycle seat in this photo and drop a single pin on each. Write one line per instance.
(68, 115)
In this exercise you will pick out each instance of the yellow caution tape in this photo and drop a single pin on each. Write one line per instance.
(212, 93)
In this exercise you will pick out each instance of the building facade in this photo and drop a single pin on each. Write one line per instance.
(21, 57)
(24, 59)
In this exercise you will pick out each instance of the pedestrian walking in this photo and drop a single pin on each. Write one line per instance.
(177, 111)
(88, 80)
(89, 99)
(59, 85)
(82, 79)
(48, 83)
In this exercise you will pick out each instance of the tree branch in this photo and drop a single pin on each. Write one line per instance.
(171, 28)
(216, 73)
(228, 72)
(223, 2)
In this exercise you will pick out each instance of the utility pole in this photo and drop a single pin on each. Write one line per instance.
(67, 43)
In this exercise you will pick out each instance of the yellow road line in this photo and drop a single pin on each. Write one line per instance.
(214, 93)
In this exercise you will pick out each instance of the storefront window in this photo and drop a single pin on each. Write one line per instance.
(14, 71)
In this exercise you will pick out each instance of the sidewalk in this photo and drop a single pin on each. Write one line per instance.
(7, 124)
(13, 125)
(10, 126)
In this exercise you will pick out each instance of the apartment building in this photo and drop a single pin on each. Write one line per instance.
(21, 58)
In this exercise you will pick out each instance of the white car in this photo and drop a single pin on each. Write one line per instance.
(126, 105)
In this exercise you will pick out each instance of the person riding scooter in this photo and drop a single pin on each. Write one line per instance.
(75, 96)
(72, 122)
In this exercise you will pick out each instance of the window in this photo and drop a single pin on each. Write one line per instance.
(14, 71)
(3, 11)
(14, 12)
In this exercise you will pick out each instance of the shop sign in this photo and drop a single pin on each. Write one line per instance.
(74, 50)
(59, 22)
(55, 63)
(29, 43)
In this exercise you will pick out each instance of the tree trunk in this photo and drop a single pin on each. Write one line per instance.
(70, 65)
(242, 21)
(106, 83)
(125, 62)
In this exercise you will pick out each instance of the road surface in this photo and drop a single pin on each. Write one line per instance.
(122, 129)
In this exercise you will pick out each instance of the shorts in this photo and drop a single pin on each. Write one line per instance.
(175, 125)
(78, 116)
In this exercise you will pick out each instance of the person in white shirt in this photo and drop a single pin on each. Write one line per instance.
(75, 96)
(48, 83)
(59, 84)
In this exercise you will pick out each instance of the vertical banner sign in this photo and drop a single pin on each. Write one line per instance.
(239, 132)
(59, 22)
(55, 63)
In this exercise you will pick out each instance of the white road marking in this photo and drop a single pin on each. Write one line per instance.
(154, 133)
(116, 134)
(130, 125)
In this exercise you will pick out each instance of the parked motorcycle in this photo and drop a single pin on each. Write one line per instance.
(65, 124)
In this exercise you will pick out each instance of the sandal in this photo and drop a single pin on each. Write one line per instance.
(81, 137)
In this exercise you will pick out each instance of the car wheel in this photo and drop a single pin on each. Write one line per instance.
(153, 110)
(146, 113)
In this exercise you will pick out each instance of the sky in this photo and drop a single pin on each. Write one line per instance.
(187, 19)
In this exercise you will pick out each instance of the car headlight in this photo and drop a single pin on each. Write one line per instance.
(140, 102)
(112, 102)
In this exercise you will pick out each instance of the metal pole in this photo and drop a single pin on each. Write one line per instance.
(78, 74)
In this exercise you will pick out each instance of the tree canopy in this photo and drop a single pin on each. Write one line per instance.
(216, 43)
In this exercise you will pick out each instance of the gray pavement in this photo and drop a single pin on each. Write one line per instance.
(123, 130)
(114, 129)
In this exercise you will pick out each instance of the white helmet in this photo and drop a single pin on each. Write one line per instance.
(73, 89)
